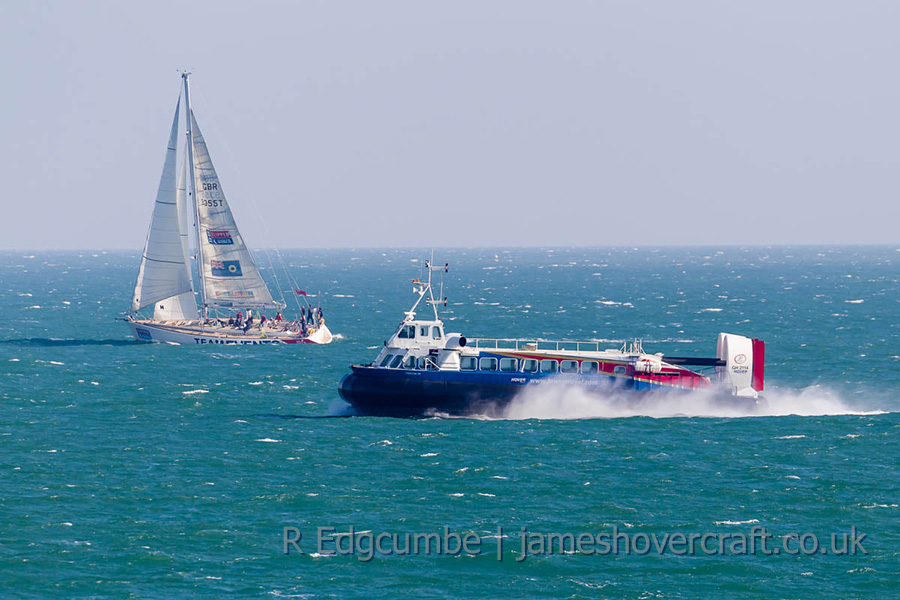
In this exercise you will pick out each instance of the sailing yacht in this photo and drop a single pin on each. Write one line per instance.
(234, 298)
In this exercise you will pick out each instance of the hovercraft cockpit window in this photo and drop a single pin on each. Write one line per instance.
(549, 366)
(568, 366)
(407, 332)
(508, 364)
(468, 363)
(436, 332)
(488, 364)
(529, 365)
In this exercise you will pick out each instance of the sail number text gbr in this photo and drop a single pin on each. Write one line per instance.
(211, 197)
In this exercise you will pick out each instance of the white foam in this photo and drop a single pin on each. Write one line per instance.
(747, 522)
(267, 440)
(189, 392)
(573, 402)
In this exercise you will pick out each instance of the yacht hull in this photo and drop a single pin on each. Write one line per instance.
(154, 331)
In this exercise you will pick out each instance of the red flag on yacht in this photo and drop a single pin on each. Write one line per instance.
(300, 292)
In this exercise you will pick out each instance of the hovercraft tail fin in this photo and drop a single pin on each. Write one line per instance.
(744, 364)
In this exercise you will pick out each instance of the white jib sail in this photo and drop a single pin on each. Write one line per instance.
(230, 276)
(182, 306)
(163, 271)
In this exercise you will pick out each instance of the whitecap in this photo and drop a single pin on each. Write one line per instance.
(710, 310)
(428, 454)
(189, 392)
(267, 440)
(789, 437)
(747, 522)
(853, 301)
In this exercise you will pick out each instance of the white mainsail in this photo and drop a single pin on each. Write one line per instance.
(229, 274)
(164, 271)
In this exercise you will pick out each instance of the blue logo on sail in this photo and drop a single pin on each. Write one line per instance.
(225, 268)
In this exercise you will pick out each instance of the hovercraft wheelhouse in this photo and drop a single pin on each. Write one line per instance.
(423, 370)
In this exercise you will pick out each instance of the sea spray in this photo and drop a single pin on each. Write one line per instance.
(574, 402)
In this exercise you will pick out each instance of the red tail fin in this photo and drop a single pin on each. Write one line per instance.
(759, 364)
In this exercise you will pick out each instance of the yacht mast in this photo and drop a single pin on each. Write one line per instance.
(192, 190)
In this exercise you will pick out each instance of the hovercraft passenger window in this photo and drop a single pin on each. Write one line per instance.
(589, 367)
(529, 365)
(620, 370)
(468, 363)
(436, 332)
(509, 364)
(410, 362)
(407, 332)
(397, 360)
(488, 364)
(549, 366)
(386, 360)
(568, 366)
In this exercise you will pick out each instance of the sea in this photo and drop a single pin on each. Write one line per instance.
(135, 470)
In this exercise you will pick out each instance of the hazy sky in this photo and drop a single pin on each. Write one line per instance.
(460, 123)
